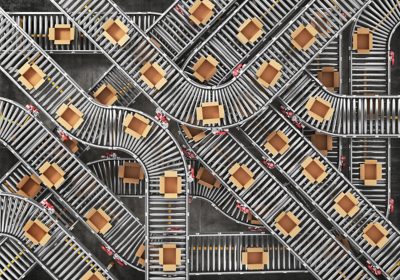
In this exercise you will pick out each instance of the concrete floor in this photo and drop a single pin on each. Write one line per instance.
(86, 69)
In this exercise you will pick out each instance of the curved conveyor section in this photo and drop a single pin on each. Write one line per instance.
(268, 199)
(62, 256)
(353, 116)
(179, 97)
(106, 127)
(325, 191)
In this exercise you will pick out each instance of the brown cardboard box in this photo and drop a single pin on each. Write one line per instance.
(193, 133)
(31, 76)
(210, 112)
(252, 220)
(69, 116)
(329, 78)
(269, 73)
(371, 172)
(287, 224)
(61, 34)
(376, 235)
(205, 68)
(137, 125)
(363, 40)
(346, 204)
(141, 253)
(303, 37)
(116, 32)
(93, 276)
(131, 173)
(106, 94)
(277, 143)
(250, 31)
(242, 177)
(29, 186)
(314, 170)
(205, 178)
(170, 184)
(72, 145)
(98, 220)
(153, 75)
(36, 232)
(170, 257)
(201, 11)
(255, 258)
(51, 175)
(319, 109)
(323, 142)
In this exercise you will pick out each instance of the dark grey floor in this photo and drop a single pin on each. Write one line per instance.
(86, 69)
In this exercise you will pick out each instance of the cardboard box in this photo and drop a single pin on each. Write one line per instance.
(116, 31)
(51, 175)
(376, 235)
(250, 31)
(137, 125)
(72, 145)
(210, 112)
(329, 78)
(287, 224)
(29, 186)
(241, 176)
(319, 109)
(31, 76)
(153, 75)
(371, 172)
(277, 143)
(363, 40)
(201, 11)
(255, 258)
(252, 220)
(323, 142)
(269, 73)
(193, 133)
(131, 173)
(205, 68)
(93, 276)
(61, 34)
(69, 116)
(303, 37)
(106, 94)
(170, 257)
(170, 184)
(141, 253)
(205, 178)
(314, 170)
(346, 204)
(36, 232)
(98, 220)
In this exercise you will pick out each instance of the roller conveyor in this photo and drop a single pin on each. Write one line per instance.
(323, 193)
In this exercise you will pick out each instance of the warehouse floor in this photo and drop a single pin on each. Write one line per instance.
(86, 69)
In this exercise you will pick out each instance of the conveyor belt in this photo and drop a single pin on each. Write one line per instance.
(322, 194)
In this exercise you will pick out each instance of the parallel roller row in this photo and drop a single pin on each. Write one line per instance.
(62, 256)
(37, 26)
(370, 73)
(352, 116)
(317, 249)
(179, 98)
(174, 30)
(103, 126)
(81, 190)
(323, 194)
(222, 253)
(362, 149)
(223, 44)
